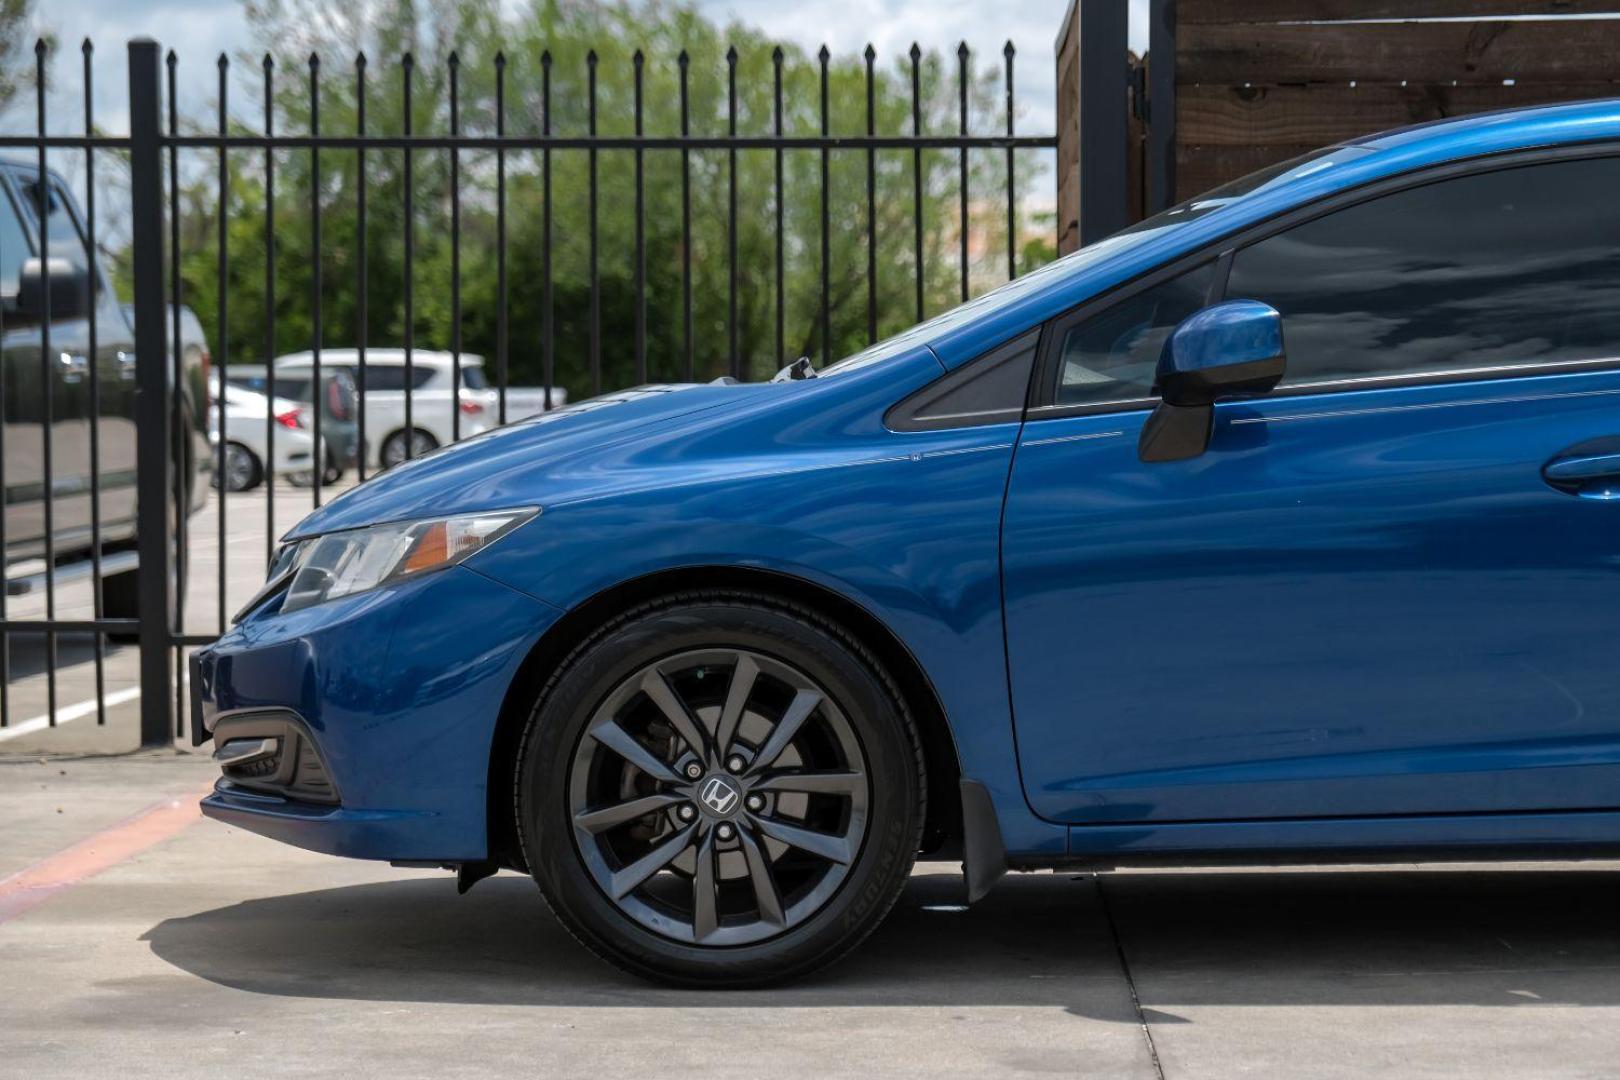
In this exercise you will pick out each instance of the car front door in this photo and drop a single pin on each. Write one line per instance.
(1388, 588)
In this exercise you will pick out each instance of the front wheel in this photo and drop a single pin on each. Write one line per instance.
(720, 791)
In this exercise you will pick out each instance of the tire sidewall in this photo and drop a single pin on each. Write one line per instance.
(876, 715)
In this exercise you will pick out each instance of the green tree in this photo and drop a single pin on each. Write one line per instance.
(17, 44)
(465, 37)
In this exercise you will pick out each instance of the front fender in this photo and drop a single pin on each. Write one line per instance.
(906, 527)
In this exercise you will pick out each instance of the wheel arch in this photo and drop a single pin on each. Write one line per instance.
(942, 829)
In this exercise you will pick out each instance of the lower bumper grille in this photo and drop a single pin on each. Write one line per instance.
(273, 752)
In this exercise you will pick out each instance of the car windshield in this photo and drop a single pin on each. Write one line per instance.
(1152, 228)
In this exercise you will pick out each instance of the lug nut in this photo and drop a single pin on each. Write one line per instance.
(693, 771)
(735, 763)
(687, 812)
(725, 831)
(756, 802)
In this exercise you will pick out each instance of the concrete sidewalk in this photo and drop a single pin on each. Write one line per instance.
(215, 951)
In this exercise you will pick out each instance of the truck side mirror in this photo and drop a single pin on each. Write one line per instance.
(70, 290)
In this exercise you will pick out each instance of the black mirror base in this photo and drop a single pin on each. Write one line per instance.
(1176, 432)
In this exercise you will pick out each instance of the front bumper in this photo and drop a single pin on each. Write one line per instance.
(395, 692)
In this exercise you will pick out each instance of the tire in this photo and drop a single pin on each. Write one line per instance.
(242, 470)
(824, 814)
(334, 471)
(394, 447)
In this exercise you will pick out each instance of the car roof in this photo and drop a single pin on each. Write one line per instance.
(961, 335)
(426, 357)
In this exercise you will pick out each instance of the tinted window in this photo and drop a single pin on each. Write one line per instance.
(291, 387)
(63, 232)
(1510, 267)
(382, 377)
(1112, 355)
(989, 390)
(15, 247)
(473, 378)
(392, 376)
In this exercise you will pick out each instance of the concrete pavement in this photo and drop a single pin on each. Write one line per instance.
(215, 950)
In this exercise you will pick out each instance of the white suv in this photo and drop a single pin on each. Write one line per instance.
(434, 421)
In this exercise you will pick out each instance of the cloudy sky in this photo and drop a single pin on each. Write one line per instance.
(200, 29)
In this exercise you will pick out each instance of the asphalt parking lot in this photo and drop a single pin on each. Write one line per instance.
(164, 944)
(137, 936)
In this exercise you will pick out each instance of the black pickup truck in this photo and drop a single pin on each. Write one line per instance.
(79, 286)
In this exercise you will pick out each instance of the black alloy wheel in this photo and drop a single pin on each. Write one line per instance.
(720, 793)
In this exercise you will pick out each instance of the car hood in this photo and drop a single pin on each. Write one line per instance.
(480, 473)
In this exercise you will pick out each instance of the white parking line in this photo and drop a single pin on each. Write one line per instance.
(71, 712)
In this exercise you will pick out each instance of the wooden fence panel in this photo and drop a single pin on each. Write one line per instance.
(1194, 12)
(1260, 81)
(1320, 115)
(1561, 50)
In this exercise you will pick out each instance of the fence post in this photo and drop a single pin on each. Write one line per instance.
(153, 424)
(1161, 105)
(1093, 102)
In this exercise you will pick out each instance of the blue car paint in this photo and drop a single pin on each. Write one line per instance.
(803, 479)
(402, 707)
(1353, 604)
(1234, 332)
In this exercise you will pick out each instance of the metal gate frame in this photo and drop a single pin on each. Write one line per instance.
(162, 504)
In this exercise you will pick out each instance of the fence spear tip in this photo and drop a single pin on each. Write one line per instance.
(545, 58)
(454, 59)
(683, 59)
(500, 58)
(871, 53)
(360, 59)
(590, 58)
(637, 58)
(777, 55)
(87, 48)
(269, 62)
(824, 54)
(731, 55)
(314, 61)
(223, 62)
(962, 50)
(916, 51)
(407, 61)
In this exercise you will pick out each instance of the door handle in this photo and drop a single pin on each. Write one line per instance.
(1590, 470)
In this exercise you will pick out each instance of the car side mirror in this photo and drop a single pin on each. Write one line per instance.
(69, 285)
(1231, 349)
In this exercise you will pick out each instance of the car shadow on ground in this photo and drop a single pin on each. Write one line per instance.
(1504, 937)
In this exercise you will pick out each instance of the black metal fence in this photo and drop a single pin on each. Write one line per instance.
(171, 396)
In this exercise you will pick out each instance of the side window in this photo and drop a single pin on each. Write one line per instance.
(1516, 266)
(988, 390)
(16, 246)
(382, 377)
(1112, 355)
(67, 242)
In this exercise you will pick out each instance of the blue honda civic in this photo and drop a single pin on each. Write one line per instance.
(1283, 526)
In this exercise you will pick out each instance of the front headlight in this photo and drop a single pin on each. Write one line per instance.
(326, 567)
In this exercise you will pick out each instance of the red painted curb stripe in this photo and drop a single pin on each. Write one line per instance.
(100, 851)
